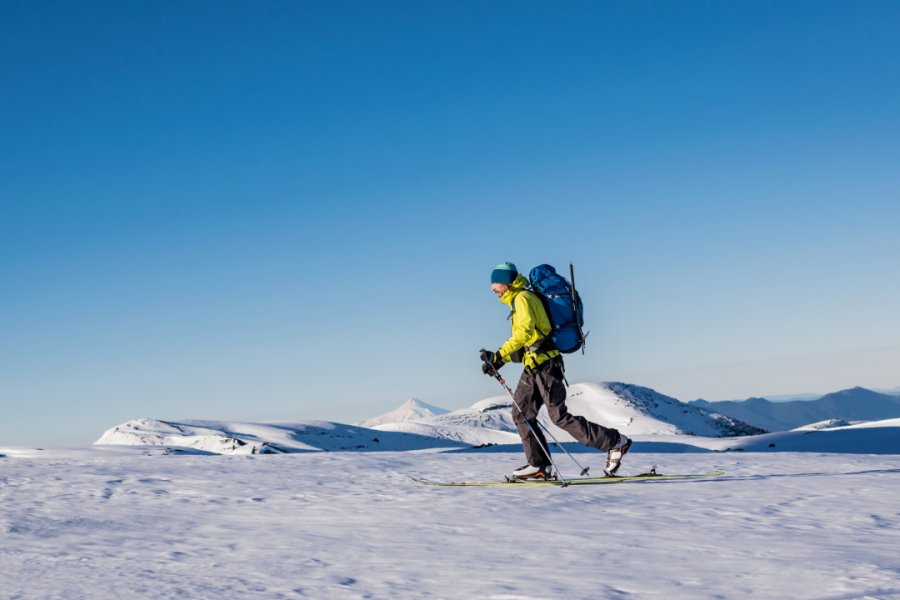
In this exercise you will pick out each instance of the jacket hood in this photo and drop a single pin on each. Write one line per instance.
(520, 283)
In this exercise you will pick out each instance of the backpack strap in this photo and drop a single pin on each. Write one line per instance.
(545, 343)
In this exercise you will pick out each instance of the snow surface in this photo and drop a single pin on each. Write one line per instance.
(209, 509)
(135, 522)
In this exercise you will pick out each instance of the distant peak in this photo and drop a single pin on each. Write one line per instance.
(416, 403)
(411, 410)
(757, 400)
(854, 391)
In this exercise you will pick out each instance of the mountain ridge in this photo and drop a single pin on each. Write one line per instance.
(852, 404)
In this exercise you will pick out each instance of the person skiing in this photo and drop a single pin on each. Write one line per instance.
(541, 381)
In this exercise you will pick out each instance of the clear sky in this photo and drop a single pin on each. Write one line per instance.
(290, 210)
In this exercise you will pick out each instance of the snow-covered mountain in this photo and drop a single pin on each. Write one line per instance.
(640, 410)
(633, 409)
(485, 422)
(658, 423)
(411, 410)
(854, 404)
(415, 425)
(221, 437)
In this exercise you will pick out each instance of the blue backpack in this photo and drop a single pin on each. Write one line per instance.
(563, 305)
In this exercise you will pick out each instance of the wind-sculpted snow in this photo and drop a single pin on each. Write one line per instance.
(116, 523)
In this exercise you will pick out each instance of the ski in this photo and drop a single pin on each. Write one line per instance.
(652, 476)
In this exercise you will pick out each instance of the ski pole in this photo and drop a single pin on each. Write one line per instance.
(533, 432)
(584, 470)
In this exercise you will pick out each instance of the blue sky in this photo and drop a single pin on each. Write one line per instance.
(291, 210)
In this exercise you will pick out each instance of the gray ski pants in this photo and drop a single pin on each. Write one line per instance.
(544, 385)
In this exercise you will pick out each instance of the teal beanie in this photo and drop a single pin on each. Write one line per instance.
(504, 273)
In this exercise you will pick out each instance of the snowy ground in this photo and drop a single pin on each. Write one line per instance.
(119, 523)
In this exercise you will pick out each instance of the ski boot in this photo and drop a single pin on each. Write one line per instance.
(530, 473)
(615, 454)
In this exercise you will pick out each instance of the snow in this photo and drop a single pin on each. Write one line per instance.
(629, 408)
(465, 435)
(869, 424)
(417, 425)
(317, 509)
(125, 522)
(826, 424)
(227, 437)
(639, 410)
(486, 422)
(873, 437)
(654, 421)
(411, 410)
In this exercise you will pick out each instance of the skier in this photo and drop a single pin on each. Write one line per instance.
(542, 380)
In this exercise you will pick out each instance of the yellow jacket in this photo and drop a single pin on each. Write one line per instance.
(530, 325)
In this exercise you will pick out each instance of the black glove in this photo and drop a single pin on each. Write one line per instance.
(491, 362)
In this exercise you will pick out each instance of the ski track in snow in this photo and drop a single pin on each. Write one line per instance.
(121, 524)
